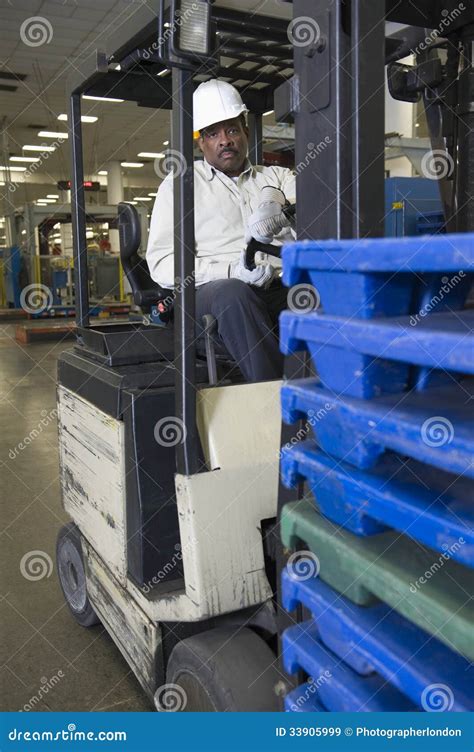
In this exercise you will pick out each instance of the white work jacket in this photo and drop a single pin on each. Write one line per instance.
(222, 208)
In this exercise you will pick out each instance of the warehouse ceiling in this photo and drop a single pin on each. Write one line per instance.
(33, 84)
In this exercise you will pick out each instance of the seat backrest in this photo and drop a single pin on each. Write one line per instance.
(146, 292)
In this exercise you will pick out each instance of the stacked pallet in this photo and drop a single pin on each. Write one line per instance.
(385, 535)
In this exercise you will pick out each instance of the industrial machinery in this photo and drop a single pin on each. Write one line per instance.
(171, 482)
(28, 260)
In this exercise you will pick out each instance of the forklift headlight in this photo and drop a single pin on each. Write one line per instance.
(194, 26)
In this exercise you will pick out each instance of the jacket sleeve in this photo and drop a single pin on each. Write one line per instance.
(288, 184)
(160, 251)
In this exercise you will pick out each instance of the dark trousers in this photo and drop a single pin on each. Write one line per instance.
(247, 324)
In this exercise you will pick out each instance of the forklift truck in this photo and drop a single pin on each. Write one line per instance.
(170, 479)
(169, 462)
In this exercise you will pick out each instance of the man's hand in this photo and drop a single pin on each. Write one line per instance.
(268, 220)
(261, 276)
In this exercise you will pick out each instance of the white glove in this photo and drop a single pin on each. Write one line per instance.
(261, 276)
(268, 220)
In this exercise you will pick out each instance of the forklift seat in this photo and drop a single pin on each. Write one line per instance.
(146, 292)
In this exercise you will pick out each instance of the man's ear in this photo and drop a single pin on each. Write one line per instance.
(199, 143)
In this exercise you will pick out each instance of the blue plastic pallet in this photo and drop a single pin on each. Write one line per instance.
(366, 358)
(427, 504)
(433, 426)
(304, 699)
(340, 688)
(378, 639)
(383, 276)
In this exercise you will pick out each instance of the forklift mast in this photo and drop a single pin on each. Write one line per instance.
(161, 41)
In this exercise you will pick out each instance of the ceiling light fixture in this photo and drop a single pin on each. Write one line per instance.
(52, 134)
(102, 99)
(84, 118)
(152, 154)
(39, 147)
(24, 159)
(131, 164)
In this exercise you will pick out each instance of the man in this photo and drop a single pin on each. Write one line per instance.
(229, 208)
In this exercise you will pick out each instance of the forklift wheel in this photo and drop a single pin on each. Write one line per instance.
(221, 670)
(72, 576)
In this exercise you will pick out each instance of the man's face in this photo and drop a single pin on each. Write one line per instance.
(225, 145)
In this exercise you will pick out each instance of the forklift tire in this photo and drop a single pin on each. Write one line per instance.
(221, 670)
(72, 576)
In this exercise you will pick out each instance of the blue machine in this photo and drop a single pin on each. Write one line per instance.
(412, 207)
(12, 268)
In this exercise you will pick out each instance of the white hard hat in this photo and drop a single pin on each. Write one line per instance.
(214, 101)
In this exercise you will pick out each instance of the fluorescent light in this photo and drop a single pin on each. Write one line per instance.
(13, 169)
(152, 154)
(84, 118)
(48, 200)
(165, 143)
(270, 112)
(102, 172)
(131, 164)
(102, 99)
(165, 71)
(52, 134)
(51, 195)
(24, 159)
(32, 147)
(23, 232)
(141, 198)
(153, 194)
(132, 202)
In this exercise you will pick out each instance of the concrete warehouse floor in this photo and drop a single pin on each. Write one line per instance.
(48, 662)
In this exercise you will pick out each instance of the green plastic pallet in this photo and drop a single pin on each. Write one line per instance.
(388, 567)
